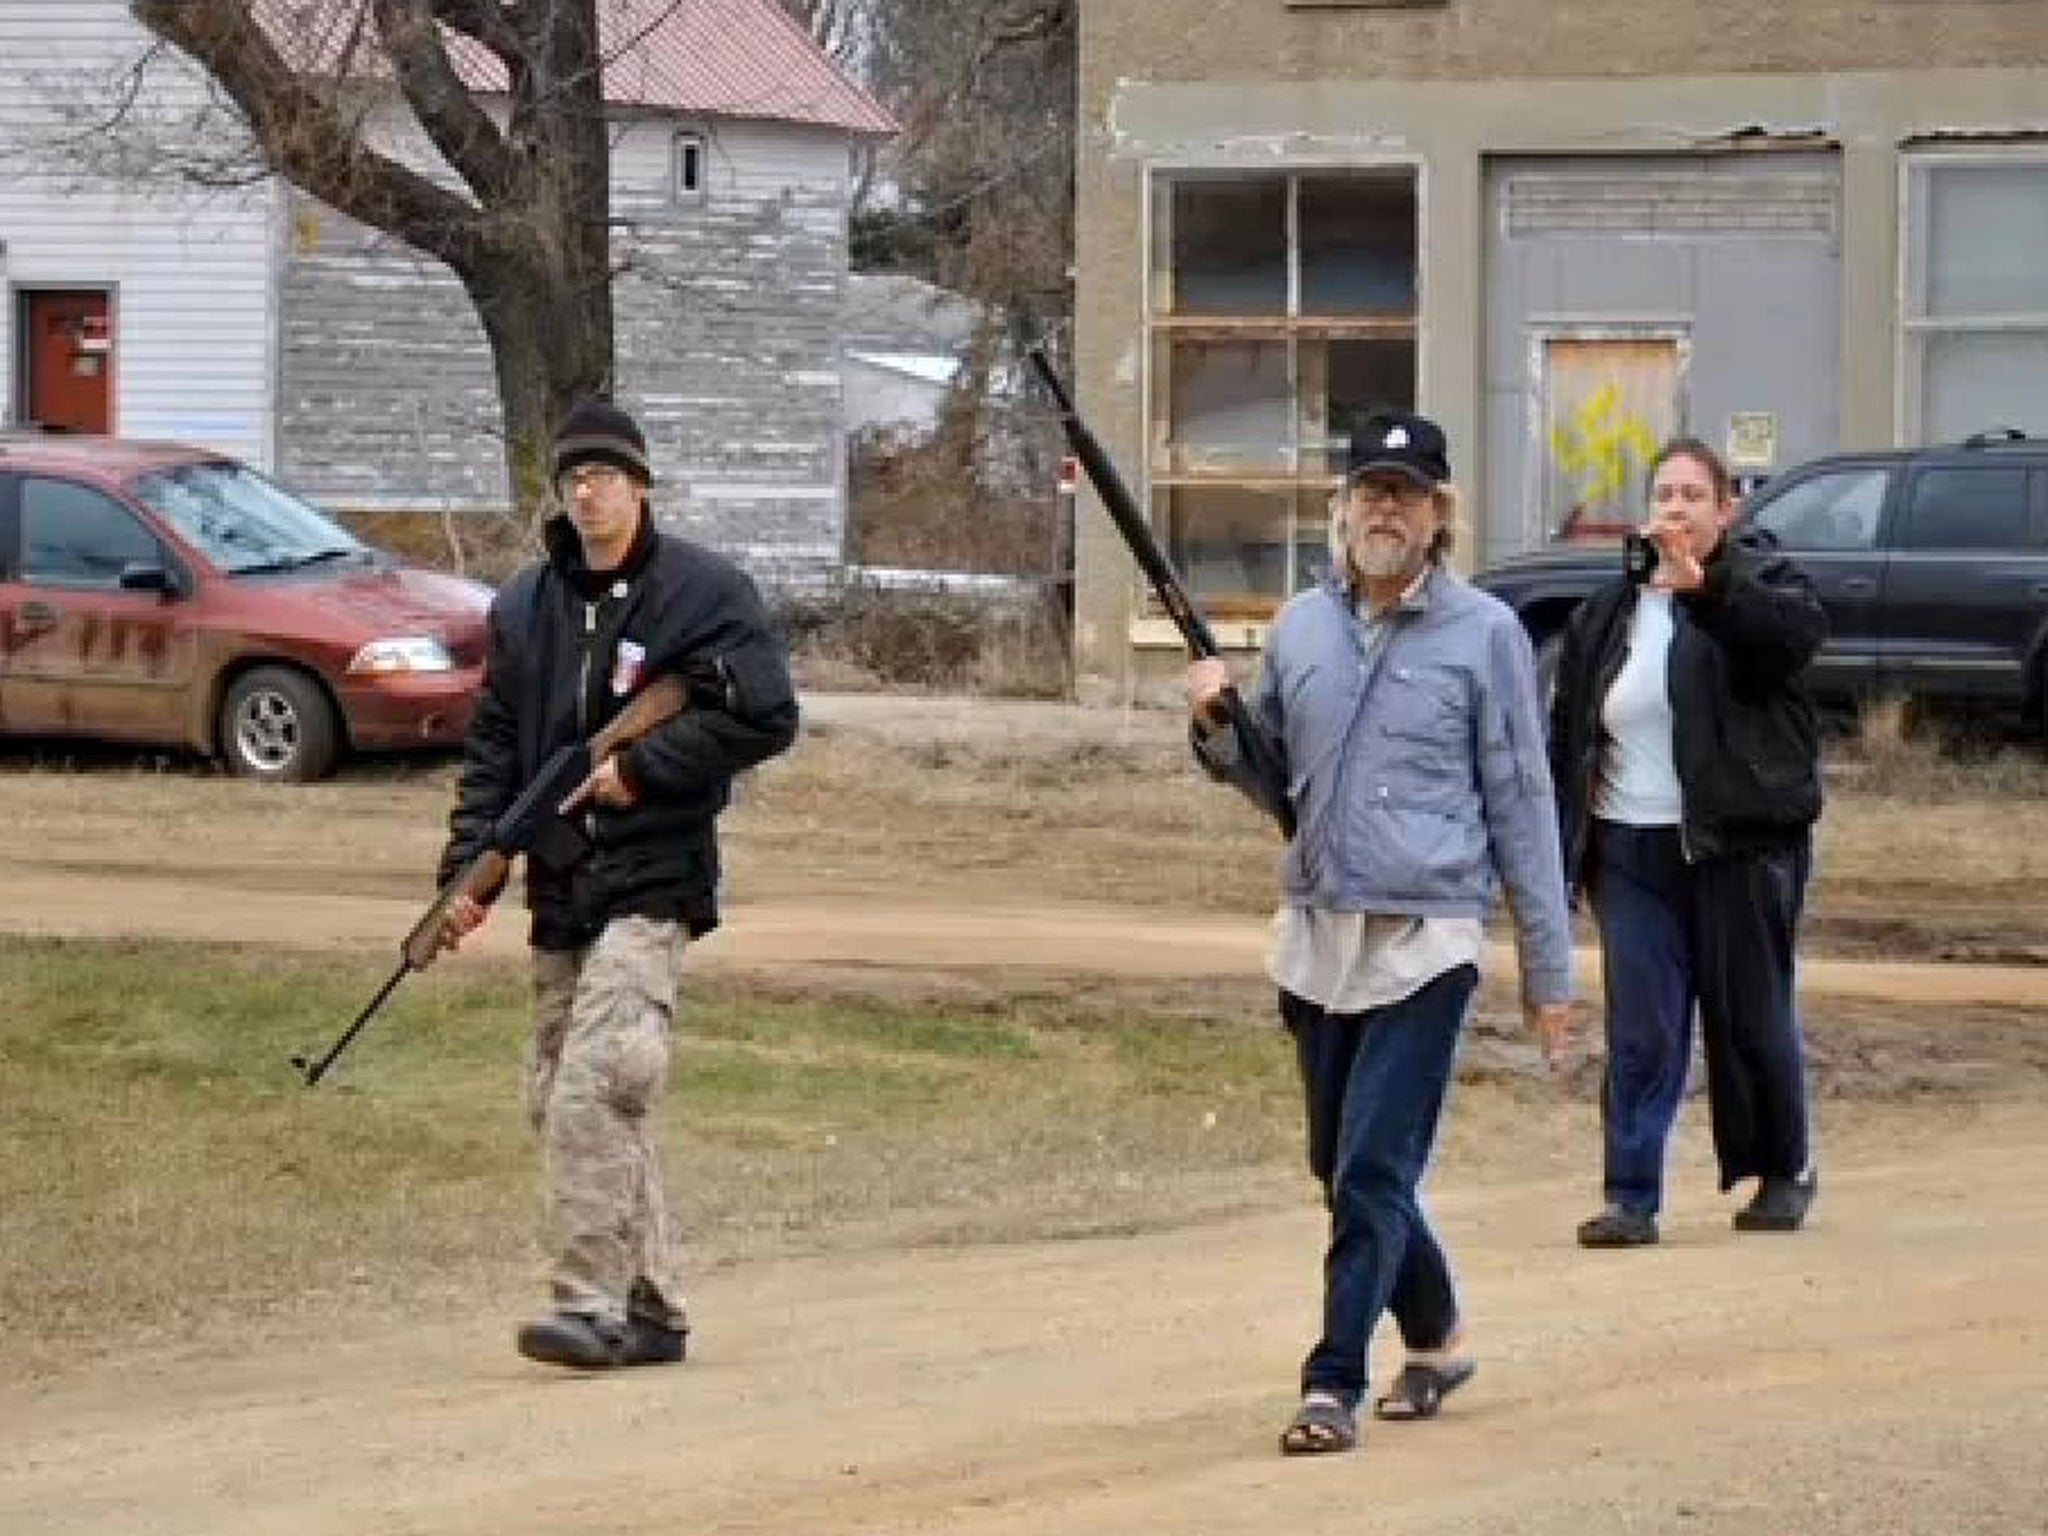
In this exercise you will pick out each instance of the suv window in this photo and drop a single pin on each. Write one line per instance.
(75, 536)
(1967, 507)
(1836, 510)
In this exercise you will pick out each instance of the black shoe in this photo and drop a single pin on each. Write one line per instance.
(648, 1343)
(571, 1338)
(656, 1333)
(587, 1343)
(1618, 1227)
(1780, 1203)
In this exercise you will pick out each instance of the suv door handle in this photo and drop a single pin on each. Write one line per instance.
(40, 615)
(1859, 584)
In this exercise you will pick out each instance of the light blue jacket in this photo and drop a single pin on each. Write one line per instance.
(1416, 764)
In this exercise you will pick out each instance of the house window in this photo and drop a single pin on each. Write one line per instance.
(1974, 313)
(1281, 308)
(689, 167)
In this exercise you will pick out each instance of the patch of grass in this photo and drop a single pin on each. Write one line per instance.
(1899, 753)
(163, 1173)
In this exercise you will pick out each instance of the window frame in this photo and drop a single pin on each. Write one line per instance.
(158, 554)
(1890, 477)
(687, 144)
(1918, 166)
(1159, 325)
(1909, 505)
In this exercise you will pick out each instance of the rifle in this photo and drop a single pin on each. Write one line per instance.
(562, 781)
(1260, 764)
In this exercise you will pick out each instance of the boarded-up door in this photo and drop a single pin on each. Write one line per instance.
(1606, 402)
(70, 354)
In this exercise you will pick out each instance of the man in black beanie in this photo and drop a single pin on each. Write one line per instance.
(573, 637)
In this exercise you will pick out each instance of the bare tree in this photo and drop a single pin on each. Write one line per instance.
(840, 27)
(527, 229)
(977, 196)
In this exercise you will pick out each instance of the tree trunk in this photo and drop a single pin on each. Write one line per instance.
(551, 346)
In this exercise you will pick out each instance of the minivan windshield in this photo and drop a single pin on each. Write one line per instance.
(244, 523)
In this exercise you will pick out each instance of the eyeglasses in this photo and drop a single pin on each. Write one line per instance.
(596, 477)
(1403, 492)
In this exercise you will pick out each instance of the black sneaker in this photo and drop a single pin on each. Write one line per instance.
(648, 1343)
(1618, 1227)
(573, 1339)
(1780, 1203)
(656, 1332)
(591, 1344)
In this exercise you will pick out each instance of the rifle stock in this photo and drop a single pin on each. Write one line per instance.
(1260, 763)
(481, 878)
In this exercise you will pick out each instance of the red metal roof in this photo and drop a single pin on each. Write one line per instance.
(712, 58)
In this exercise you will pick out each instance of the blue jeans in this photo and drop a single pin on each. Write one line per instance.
(1375, 1084)
(1717, 933)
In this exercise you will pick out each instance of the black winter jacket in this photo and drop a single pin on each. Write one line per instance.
(568, 647)
(1745, 737)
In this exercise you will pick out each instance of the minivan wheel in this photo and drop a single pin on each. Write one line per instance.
(276, 724)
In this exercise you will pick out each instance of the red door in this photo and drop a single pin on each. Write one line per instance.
(70, 360)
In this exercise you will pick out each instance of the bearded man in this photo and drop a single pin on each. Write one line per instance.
(1400, 705)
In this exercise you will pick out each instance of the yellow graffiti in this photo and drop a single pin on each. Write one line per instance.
(1599, 443)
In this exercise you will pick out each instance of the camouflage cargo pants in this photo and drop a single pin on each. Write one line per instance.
(602, 1019)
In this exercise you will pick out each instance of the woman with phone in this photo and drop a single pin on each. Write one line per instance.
(1686, 757)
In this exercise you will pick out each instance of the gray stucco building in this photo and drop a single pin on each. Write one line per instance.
(1565, 231)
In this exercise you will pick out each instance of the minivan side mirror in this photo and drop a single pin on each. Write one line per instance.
(140, 576)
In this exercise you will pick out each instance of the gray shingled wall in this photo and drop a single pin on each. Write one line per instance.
(727, 318)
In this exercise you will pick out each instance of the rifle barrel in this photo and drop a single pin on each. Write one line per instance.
(315, 1070)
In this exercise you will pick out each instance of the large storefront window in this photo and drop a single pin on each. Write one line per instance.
(1281, 309)
(1975, 306)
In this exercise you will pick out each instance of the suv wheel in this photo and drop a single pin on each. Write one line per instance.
(276, 724)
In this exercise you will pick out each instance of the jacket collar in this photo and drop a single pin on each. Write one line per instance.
(1427, 584)
(565, 554)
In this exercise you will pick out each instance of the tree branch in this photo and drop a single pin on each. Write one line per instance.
(488, 21)
(309, 141)
(461, 130)
(1031, 25)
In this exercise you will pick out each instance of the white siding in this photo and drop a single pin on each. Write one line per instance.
(190, 270)
(742, 157)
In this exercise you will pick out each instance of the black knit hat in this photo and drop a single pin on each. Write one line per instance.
(598, 432)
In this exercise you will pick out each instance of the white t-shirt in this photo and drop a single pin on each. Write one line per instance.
(1638, 774)
(1347, 962)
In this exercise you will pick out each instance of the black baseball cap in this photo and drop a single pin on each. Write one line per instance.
(1402, 442)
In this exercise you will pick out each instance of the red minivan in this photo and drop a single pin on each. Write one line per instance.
(156, 593)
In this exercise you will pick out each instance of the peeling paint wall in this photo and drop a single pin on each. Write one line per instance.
(726, 322)
(1449, 89)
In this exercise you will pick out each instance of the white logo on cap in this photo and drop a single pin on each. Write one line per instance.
(1398, 438)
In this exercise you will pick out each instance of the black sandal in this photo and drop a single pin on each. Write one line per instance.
(1421, 1389)
(1322, 1423)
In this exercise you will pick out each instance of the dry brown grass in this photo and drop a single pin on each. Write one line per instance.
(150, 1135)
(864, 637)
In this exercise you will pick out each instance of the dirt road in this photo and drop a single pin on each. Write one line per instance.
(1885, 1372)
(924, 932)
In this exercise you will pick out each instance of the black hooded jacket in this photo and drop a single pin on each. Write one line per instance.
(568, 647)
(1744, 734)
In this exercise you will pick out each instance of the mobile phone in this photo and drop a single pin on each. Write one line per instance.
(1638, 557)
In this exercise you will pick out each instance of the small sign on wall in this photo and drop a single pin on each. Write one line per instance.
(1752, 441)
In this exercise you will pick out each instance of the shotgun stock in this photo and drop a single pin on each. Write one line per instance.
(563, 778)
(1260, 761)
